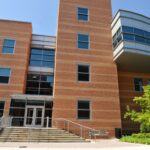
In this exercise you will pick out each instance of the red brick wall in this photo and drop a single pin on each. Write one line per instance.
(18, 62)
(127, 93)
(102, 91)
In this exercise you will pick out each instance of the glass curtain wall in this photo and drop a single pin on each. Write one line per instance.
(39, 84)
(42, 57)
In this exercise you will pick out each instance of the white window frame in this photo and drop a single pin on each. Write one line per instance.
(89, 40)
(90, 109)
(10, 47)
(84, 64)
(77, 13)
(9, 75)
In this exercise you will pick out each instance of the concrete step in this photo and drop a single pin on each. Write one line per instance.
(37, 135)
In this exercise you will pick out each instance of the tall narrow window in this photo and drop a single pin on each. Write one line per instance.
(83, 14)
(4, 75)
(148, 82)
(84, 73)
(138, 84)
(1, 108)
(8, 46)
(83, 41)
(83, 111)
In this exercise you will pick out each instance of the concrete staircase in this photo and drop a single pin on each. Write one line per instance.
(37, 135)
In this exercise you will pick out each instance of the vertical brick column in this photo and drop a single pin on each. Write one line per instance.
(103, 90)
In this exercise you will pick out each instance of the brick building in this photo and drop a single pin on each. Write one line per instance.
(75, 75)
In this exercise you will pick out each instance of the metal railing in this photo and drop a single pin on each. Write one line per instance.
(60, 123)
(1, 121)
(78, 129)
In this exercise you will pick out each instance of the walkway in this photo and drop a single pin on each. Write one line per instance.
(113, 144)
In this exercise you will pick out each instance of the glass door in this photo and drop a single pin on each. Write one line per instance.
(39, 117)
(29, 116)
(34, 116)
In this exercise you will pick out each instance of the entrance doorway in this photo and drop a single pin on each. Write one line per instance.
(34, 116)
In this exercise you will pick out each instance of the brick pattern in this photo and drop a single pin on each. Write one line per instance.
(102, 91)
(127, 93)
(18, 62)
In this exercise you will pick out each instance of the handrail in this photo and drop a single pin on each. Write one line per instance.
(1, 122)
(80, 130)
(76, 124)
(61, 123)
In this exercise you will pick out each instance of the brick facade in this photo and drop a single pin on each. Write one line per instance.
(102, 90)
(108, 96)
(18, 62)
(127, 93)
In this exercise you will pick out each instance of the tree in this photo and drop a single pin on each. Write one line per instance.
(143, 115)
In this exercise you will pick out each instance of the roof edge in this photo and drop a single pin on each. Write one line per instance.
(130, 12)
(17, 21)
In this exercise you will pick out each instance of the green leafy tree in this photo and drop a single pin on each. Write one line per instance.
(143, 115)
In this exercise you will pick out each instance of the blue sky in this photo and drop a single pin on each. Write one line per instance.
(43, 13)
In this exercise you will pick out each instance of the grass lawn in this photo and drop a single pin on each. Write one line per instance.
(141, 138)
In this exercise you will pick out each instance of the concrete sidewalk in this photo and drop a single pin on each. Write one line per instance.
(100, 144)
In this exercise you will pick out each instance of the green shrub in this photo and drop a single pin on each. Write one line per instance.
(141, 138)
(141, 116)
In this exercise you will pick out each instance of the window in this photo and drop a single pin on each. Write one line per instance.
(4, 75)
(147, 41)
(147, 34)
(42, 58)
(138, 84)
(1, 108)
(84, 73)
(83, 14)
(40, 84)
(128, 36)
(139, 32)
(140, 39)
(127, 29)
(117, 38)
(8, 46)
(148, 82)
(83, 41)
(83, 110)
(131, 34)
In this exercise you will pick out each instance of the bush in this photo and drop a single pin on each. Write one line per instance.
(143, 115)
(141, 138)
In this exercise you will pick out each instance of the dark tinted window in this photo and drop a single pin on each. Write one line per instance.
(147, 41)
(128, 36)
(147, 34)
(127, 29)
(83, 73)
(36, 57)
(4, 75)
(140, 39)
(83, 110)
(1, 108)
(139, 32)
(138, 84)
(39, 84)
(83, 14)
